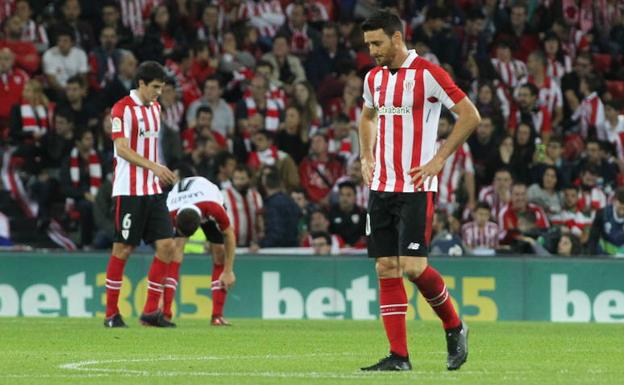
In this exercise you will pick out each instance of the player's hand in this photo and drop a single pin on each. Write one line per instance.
(227, 278)
(368, 166)
(423, 173)
(166, 176)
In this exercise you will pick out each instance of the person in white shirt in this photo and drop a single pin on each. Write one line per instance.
(64, 60)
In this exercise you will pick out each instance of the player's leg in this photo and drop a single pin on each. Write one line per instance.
(383, 246)
(415, 236)
(173, 274)
(219, 293)
(128, 229)
(158, 229)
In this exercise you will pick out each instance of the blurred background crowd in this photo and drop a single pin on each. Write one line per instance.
(263, 98)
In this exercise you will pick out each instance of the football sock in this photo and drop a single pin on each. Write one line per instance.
(114, 277)
(171, 284)
(393, 307)
(432, 287)
(155, 279)
(218, 291)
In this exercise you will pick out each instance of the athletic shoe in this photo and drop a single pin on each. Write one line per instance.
(156, 319)
(115, 322)
(391, 363)
(457, 346)
(219, 321)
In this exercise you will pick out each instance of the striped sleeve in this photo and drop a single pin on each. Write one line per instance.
(368, 90)
(439, 85)
(121, 121)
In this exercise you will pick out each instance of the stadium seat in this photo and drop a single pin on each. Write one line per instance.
(616, 88)
(602, 62)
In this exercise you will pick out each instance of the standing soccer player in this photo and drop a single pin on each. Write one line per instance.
(403, 96)
(194, 202)
(140, 205)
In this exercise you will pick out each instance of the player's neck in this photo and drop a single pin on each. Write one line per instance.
(143, 98)
(399, 59)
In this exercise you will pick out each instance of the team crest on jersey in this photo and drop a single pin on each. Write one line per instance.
(125, 233)
(408, 85)
(116, 125)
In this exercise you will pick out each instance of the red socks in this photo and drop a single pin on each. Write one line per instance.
(218, 291)
(171, 284)
(155, 279)
(393, 307)
(432, 287)
(114, 276)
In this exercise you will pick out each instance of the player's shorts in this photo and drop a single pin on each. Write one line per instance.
(212, 233)
(142, 217)
(399, 224)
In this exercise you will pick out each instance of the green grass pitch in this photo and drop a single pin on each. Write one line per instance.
(82, 351)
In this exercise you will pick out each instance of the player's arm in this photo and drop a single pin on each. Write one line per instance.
(227, 277)
(467, 120)
(368, 132)
(162, 172)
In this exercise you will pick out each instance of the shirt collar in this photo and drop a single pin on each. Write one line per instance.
(134, 94)
(411, 55)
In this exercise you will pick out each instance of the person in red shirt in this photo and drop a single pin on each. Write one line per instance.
(26, 55)
(319, 170)
(530, 111)
(519, 204)
(203, 65)
(12, 81)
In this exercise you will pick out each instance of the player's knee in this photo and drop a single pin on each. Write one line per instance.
(166, 250)
(415, 267)
(218, 254)
(122, 251)
(387, 267)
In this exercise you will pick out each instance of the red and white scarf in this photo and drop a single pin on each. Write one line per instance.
(271, 119)
(35, 120)
(95, 170)
(268, 157)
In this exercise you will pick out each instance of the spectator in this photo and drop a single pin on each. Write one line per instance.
(509, 70)
(498, 194)
(571, 219)
(319, 222)
(12, 81)
(26, 55)
(306, 208)
(526, 237)
(162, 36)
(489, 104)
(590, 113)
(267, 154)
(545, 194)
(321, 243)
(204, 64)
(570, 83)
(523, 151)
(319, 170)
(31, 30)
(292, 137)
(549, 94)
(225, 164)
(311, 111)
(481, 144)
(605, 169)
(222, 114)
(84, 112)
(104, 138)
(172, 112)
(343, 140)
(500, 158)
(592, 197)
(480, 233)
(351, 101)
(325, 60)
(111, 18)
(210, 29)
(519, 205)
(346, 218)
(64, 60)
(81, 177)
(613, 124)
(258, 103)
(281, 214)
(558, 63)
(607, 231)
(30, 119)
(529, 111)
(354, 175)
(266, 16)
(199, 158)
(473, 38)
(103, 215)
(81, 31)
(202, 129)
(553, 157)
(275, 90)
(123, 81)
(444, 242)
(518, 32)
(568, 246)
(287, 68)
(434, 34)
(104, 60)
(59, 141)
(302, 39)
(244, 206)
(234, 61)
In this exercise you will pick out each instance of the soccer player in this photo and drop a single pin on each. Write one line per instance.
(194, 202)
(140, 205)
(403, 97)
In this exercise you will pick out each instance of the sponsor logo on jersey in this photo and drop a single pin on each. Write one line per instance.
(116, 125)
(394, 110)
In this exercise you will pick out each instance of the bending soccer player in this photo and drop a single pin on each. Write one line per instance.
(403, 97)
(195, 202)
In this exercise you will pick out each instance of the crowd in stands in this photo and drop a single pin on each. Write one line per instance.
(263, 99)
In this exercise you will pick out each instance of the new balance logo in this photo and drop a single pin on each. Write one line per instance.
(413, 246)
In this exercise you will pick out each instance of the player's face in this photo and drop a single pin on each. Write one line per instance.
(380, 46)
(152, 90)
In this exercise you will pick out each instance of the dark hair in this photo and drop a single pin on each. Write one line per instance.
(64, 30)
(66, 113)
(448, 116)
(556, 139)
(322, 234)
(591, 169)
(504, 169)
(554, 169)
(576, 243)
(264, 63)
(222, 158)
(187, 222)
(342, 118)
(435, 12)
(77, 79)
(266, 133)
(483, 205)
(213, 77)
(332, 25)
(79, 134)
(519, 183)
(200, 45)
(532, 88)
(619, 194)
(593, 82)
(243, 168)
(149, 71)
(347, 184)
(204, 109)
(272, 179)
(388, 21)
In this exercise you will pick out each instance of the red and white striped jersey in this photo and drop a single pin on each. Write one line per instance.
(612, 132)
(456, 165)
(199, 192)
(475, 236)
(35, 33)
(243, 212)
(508, 218)
(556, 69)
(134, 12)
(265, 15)
(510, 72)
(140, 124)
(172, 115)
(590, 113)
(408, 103)
(540, 117)
(550, 94)
(575, 220)
(592, 200)
(489, 196)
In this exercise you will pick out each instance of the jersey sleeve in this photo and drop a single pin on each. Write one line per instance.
(216, 212)
(439, 85)
(368, 90)
(121, 121)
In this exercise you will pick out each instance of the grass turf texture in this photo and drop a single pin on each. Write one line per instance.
(82, 351)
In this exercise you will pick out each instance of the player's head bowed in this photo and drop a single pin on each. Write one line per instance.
(188, 220)
(383, 33)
